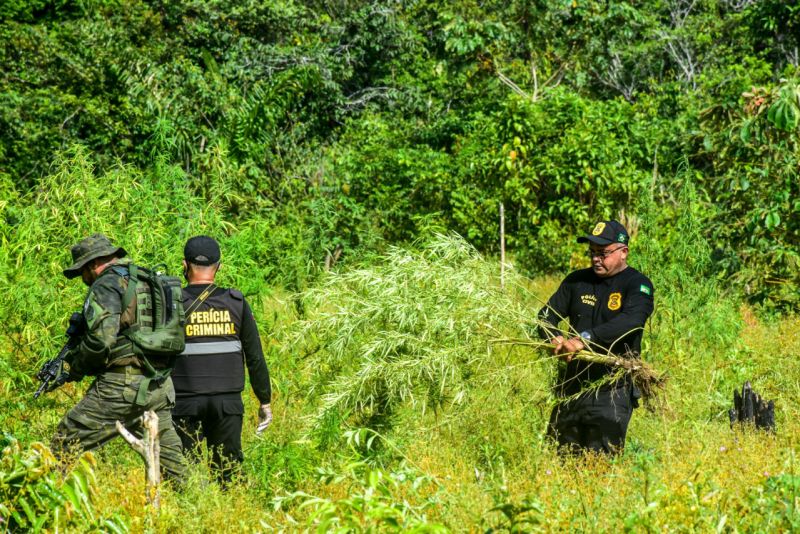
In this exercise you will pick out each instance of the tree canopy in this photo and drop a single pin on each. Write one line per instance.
(361, 121)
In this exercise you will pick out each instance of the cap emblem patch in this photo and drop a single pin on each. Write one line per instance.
(598, 229)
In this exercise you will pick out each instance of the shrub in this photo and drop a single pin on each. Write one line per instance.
(33, 499)
(378, 499)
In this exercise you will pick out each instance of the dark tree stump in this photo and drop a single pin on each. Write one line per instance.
(749, 408)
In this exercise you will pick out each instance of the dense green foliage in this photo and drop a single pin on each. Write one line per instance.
(338, 150)
(349, 121)
(409, 330)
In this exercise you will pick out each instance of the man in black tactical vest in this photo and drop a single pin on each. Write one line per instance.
(221, 338)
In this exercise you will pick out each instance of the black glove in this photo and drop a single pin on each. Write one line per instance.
(62, 377)
(77, 325)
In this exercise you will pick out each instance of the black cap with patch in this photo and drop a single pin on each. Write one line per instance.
(201, 250)
(605, 233)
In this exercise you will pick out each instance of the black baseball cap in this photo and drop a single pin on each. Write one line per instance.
(605, 233)
(201, 250)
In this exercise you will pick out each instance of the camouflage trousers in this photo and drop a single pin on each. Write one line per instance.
(112, 398)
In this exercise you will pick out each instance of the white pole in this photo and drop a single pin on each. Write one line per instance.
(502, 247)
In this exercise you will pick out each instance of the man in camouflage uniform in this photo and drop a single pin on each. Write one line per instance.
(109, 357)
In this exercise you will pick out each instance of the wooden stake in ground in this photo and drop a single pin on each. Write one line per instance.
(502, 246)
(149, 449)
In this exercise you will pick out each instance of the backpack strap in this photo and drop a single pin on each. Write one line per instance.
(130, 293)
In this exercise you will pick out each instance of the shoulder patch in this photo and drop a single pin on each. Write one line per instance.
(93, 314)
(235, 293)
(645, 289)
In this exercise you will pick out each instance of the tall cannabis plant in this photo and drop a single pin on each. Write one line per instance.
(411, 328)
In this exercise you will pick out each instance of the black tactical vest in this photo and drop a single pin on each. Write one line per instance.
(213, 361)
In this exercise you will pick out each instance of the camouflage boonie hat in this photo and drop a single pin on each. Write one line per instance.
(94, 246)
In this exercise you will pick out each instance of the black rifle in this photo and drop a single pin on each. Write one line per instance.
(52, 373)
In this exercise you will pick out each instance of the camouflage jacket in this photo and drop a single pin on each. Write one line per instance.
(102, 346)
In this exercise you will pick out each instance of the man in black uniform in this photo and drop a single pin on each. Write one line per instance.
(606, 307)
(221, 337)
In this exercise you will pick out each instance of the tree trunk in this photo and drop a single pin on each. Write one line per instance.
(149, 449)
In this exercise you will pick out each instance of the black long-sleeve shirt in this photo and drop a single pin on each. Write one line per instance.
(611, 311)
(254, 356)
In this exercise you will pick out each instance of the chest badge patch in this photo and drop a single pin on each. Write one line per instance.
(614, 301)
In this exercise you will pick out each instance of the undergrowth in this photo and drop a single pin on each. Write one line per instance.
(393, 350)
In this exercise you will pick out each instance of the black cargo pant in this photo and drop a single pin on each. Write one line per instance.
(217, 419)
(596, 421)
